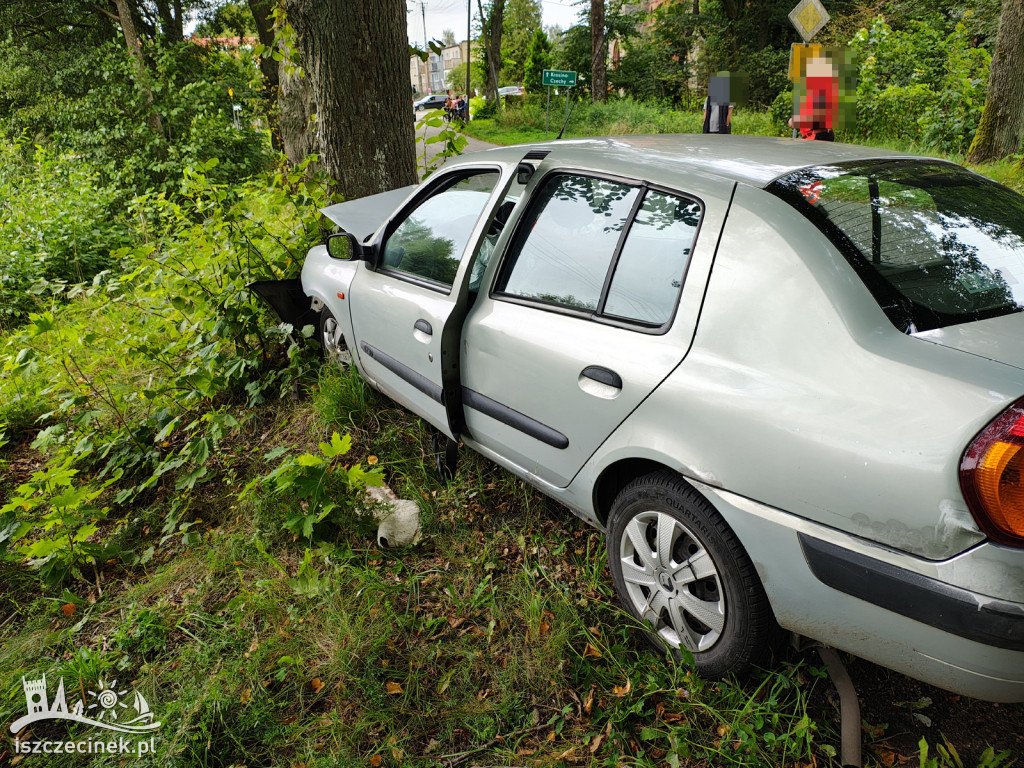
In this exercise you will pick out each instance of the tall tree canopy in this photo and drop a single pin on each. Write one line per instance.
(521, 20)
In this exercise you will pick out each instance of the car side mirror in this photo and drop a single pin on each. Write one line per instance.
(524, 172)
(345, 246)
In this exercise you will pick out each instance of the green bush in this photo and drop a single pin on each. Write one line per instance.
(146, 372)
(920, 85)
(58, 223)
(193, 91)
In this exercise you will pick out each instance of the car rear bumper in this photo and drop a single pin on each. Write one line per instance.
(957, 624)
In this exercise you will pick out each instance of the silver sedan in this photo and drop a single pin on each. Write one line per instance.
(783, 376)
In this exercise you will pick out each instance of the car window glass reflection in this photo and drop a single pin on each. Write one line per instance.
(940, 245)
(650, 268)
(568, 242)
(431, 241)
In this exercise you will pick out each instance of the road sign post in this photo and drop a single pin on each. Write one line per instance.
(558, 78)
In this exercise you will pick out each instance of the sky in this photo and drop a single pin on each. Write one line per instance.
(451, 14)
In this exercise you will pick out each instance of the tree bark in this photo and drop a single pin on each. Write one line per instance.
(134, 45)
(598, 74)
(1002, 120)
(298, 136)
(491, 30)
(356, 58)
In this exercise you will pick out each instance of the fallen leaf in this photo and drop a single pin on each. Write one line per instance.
(622, 690)
(289, 720)
(393, 688)
(68, 608)
(376, 760)
(318, 684)
(246, 695)
(591, 652)
(544, 627)
(371, 460)
(588, 702)
(886, 757)
(723, 730)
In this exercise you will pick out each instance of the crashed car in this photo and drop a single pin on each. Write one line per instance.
(784, 377)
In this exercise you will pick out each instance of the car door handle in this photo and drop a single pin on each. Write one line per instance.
(424, 327)
(602, 376)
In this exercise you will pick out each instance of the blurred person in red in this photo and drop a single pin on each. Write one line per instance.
(816, 117)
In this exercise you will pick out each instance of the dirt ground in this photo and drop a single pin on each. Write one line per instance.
(897, 711)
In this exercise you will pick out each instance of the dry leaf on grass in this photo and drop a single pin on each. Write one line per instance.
(591, 652)
(318, 684)
(393, 688)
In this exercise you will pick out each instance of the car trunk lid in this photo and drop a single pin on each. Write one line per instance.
(999, 338)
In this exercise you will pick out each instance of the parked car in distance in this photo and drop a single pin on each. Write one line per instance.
(432, 101)
(784, 377)
(511, 90)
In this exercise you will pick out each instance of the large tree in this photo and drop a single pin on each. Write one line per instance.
(492, 18)
(356, 58)
(999, 132)
(522, 20)
(538, 58)
(598, 52)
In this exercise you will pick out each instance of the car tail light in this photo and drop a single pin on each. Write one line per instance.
(992, 477)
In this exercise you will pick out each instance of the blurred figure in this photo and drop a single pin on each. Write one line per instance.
(725, 91)
(822, 91)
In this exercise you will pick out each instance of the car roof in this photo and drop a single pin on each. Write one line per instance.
(754, 160)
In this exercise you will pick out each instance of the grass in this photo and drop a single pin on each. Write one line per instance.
(497, 638)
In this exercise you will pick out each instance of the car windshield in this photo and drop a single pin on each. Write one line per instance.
(935, 244)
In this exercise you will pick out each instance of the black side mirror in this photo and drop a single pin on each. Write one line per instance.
(344, 245)
(524, 172)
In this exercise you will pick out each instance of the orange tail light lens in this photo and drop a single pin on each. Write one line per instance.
(992, 477)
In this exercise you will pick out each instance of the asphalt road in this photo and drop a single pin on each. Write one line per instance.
(473, 145)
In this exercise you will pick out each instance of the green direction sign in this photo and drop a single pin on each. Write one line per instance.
(558, 77)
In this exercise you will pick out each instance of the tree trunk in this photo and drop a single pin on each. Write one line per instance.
(491, 33)
(599, 79)
(356, 58)
(999, 132)
(269, 68)
(134, 45)
(298, 136)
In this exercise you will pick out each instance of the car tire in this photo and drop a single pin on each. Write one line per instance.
(720, 611)
(332, 341)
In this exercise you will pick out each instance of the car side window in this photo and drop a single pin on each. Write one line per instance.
(578, 249)
(568, 240)
(649, 271)
(431, 240)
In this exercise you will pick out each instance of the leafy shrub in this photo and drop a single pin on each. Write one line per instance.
(144, 372)
(486, 111)
(193, 90)
(311, 488)
(920, 84)
(57, 223)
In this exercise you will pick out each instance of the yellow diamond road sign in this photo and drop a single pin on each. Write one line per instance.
(808, 18)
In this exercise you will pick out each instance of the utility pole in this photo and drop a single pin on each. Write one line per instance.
(423, 10)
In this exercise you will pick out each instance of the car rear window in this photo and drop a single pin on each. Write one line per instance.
(935, 244)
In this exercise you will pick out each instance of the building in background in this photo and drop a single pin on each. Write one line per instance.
(431, 76)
